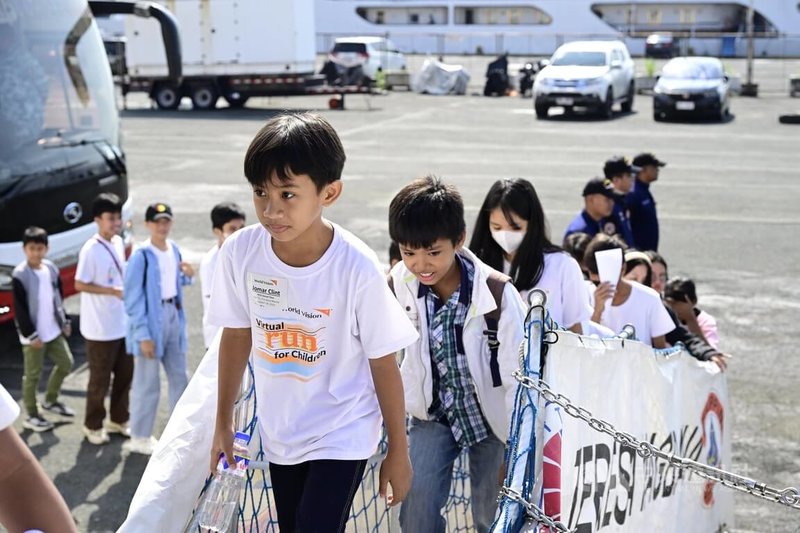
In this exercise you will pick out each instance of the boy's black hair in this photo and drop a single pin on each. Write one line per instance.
(516, 196)
(106, 202)
(299, 143)
(425, 211)
(600, 242)
(34, 234)
(394, 252)
(679, 288)
(575, 245)
(223, 213)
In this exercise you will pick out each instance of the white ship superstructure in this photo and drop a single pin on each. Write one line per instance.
(713, 27)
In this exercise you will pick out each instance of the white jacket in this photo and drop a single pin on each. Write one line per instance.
(496, 402)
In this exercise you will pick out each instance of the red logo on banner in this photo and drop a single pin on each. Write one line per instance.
(712, 421)
(551, 462)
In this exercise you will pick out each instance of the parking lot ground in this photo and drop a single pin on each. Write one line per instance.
(727, 201)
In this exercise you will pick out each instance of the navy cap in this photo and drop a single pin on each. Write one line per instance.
(600, 186)
(157, 212)
(618, 165)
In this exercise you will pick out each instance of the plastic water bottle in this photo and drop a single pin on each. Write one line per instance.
(222, 498)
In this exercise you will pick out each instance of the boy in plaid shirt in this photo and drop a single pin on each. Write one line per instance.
(457, 380)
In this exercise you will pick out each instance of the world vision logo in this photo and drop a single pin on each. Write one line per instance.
(712, 421)
(325, 310)
(290, 349)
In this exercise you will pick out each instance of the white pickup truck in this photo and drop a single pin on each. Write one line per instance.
(591, 74)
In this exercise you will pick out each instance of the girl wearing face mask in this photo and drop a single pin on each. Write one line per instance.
(511, 236)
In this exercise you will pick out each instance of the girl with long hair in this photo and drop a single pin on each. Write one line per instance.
(511, 236)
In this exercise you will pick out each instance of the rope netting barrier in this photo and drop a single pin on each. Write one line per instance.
(369, 514)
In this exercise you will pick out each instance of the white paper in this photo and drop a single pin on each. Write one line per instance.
(609, 265)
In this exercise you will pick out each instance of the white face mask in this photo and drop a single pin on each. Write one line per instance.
(509, 241)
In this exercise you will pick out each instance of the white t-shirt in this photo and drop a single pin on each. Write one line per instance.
(314, 330)
(207, 267)
(644, 310)
(168, 267)
(102, 315)
(563, 283)
(46, 324)
(9, 409)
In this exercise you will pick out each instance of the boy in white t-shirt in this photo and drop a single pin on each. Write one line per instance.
(42, 326)
(630, 302)
(99, 278)
(226, 218)
(311, 301)
(156, 326)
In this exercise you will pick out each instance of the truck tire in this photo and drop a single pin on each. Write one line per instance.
(204, 97)
(236, 102)
(166, 96)
(627, 105)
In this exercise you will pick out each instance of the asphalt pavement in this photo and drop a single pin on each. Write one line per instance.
(727, 202)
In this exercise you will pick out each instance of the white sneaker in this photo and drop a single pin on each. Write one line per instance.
(142, 445)
(118, 429)
(96, 436)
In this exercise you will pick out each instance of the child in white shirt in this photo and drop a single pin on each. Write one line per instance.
(310, 300)
(226, 219)
(627, 302)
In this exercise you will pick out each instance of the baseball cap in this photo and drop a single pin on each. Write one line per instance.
(157, 212)
(599, 186)
(642, 160)
(618, 165)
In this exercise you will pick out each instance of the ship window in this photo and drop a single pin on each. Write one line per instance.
(501, 16)
(403, 16)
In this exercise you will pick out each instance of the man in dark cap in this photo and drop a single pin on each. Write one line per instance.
(621, 172)
(642, 205)
(598, 198)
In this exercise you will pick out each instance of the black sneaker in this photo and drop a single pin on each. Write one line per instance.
(59, 409)
(37, 424)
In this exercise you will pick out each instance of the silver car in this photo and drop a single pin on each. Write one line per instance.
(691, 86)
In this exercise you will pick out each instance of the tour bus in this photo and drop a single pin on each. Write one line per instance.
(60, 141)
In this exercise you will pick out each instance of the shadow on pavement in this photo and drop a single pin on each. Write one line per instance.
(92, 465)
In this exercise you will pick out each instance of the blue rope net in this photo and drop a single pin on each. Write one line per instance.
(256, 513)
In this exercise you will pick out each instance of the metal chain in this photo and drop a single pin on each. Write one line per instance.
(534, 513)
(789, 496)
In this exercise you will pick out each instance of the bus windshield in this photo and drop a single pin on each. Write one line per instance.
(56, 90)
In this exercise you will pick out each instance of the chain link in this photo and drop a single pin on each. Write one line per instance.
(534, 513)
(789, 496)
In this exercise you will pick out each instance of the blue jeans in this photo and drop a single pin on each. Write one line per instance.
(433, 451)
(146, 386)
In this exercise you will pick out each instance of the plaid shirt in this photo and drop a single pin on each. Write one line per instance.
(455, 400)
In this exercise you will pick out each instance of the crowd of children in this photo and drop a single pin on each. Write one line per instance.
(312, 306)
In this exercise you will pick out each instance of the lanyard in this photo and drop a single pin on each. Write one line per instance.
(113, 256)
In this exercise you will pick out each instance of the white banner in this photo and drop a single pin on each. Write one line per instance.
(678, 404)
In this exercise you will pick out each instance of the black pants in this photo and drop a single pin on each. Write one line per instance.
(315, 496)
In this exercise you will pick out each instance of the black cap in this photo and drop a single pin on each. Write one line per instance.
(157, 212)
(617, 166)
(645, 159)
(599, 186)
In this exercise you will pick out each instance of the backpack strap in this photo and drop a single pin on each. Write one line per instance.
(497, 284)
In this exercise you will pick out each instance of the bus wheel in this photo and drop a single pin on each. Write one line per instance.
(204, 97)
(166, 96)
